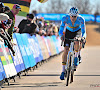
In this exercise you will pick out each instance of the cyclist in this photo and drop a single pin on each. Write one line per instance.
(72, 24)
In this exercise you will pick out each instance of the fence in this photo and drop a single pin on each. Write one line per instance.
(29, 50)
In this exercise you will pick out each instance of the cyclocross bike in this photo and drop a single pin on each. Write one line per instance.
(70, 67)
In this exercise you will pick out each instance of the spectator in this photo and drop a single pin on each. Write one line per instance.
(15, 10)
(7, 9)
(50, 30)
(5, 23)
(55, 30)
(27, 26)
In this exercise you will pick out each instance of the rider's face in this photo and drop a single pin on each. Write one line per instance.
(73, 18)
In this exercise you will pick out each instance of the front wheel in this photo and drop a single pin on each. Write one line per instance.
(69, 69)
(72, 75)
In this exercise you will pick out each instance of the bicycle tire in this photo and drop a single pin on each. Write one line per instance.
(72, 76)
(68, 71)
(72, 73)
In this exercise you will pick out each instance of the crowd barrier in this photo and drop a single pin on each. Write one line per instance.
(98, 19)
(29, 50)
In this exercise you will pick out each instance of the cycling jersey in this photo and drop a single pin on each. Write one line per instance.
(67, 24)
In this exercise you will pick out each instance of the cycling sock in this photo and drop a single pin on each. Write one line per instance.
(76, 53)
(63, 66)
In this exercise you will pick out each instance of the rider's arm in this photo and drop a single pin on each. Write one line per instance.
(62, 26)
(83, 28)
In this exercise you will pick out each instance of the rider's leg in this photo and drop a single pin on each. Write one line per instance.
(79, 52)
(64, 60)
(76, 47)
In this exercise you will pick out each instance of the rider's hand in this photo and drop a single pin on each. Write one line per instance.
(83, 40)
(63, 38)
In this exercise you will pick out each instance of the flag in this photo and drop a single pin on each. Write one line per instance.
(24, 4)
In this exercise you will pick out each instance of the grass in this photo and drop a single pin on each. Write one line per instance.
(21, 13)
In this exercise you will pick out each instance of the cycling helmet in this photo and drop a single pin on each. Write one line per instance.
(73, 11)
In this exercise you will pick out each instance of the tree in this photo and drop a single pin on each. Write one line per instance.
(97, 11)
(84, 6)
(97, 7)
(57, 6)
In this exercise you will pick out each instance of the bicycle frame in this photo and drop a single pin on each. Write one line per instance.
(71, 51)
(70, 67)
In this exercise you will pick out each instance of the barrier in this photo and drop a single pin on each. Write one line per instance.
(40, 56)
(22, 50)
(58, 17)
(46, 42)
(29, 50)
(34, 47)
(61, 48)
(43, 47)
(46, 49)
(10, 62)
(88, 17)
(98, 19)
(7, 61)
(17, 59)
(2, 72)
(55, 43)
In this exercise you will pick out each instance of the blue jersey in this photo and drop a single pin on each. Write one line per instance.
(67, 24)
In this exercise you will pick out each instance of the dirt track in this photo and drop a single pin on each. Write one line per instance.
(93, 37)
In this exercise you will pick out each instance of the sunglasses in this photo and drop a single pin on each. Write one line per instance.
(18, 7)
(74, 16)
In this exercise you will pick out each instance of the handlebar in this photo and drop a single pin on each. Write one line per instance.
(76, 39)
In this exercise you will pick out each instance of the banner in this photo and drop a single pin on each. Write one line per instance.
(58, 17)
(40, 56)
(34, 49)
(22, 50)
(88, 17)
(98, 19)
(28, 49)
(43, 47)
(2, 72)
(53, 48)
(7, 62)
(17, 59)
(47, 45)
(55, 43)
(24, 4)
(61, 48)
